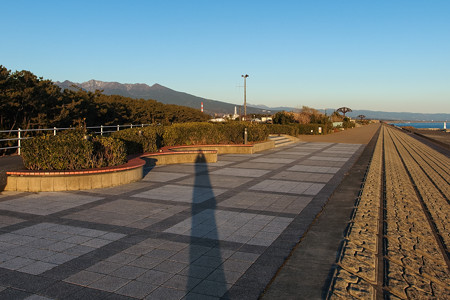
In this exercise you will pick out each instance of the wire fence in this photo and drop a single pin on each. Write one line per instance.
(10, 140)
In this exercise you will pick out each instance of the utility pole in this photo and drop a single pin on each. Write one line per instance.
(245, 94)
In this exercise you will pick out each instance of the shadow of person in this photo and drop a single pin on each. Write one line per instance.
(204, 232)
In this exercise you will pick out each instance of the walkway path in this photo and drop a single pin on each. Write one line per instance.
(398, 241)
(191, 231)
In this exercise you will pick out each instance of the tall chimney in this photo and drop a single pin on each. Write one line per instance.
(201, 109)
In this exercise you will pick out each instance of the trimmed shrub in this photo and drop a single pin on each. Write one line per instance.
(296, 129)
(71, 151)
(191, 134)
(109, 151)
(208, 133)
(257, 132)
(348, 123)
(141, 139)
(292, 130)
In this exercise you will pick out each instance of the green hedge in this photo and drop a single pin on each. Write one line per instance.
(283, 129)
(192, 134)
(141, 139)
(209, 133)
(296, 129)
(71, 151)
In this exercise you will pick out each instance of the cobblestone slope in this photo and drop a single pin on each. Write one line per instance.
(397, 242)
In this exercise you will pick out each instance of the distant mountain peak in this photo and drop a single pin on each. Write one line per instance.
(158, 86)
(168, 96)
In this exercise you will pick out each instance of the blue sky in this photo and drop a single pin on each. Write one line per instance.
(376, 55)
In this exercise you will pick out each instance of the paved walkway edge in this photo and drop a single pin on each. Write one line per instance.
(307, 272)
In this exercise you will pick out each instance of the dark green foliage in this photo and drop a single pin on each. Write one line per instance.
(191, 134)
(283, 118)
(347, 123)
(257, 132)
(142, 139)
(27, 101)
(109, 151)
(292, 129)
(296, 129)
(208, 133)
(71, 151)
(309, 128)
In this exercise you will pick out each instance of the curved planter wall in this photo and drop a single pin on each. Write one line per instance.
(49, 181)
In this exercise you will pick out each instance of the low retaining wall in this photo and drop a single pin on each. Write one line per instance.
(52, 181)
(49, 181)
(181, 157)
(228, 149)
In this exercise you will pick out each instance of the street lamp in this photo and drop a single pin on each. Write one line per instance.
(245, 94)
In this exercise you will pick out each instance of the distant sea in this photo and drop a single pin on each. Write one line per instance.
(439, 125)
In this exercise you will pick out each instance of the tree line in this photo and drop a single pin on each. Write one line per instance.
(28, 101)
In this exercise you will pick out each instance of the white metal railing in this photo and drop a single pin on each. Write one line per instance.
(19, 133)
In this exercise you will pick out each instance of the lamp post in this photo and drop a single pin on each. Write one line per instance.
(245, 94)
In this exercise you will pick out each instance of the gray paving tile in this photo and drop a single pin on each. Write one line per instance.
(37, 297)
(125, 212)
(240, 172)
(236, 265)
(136, 289)
(169, 266)
(79, 250)
(122, 258)
(208, 261)
(4, 247)
(211, 288)
(155, 277)
(77, 239)
(315, 169)
(96, 243)
(303, 176)
(109, 283)
(59, 258)
(5, 257)
(257, 165)
(37, 267)
(225, 276)
(273, 160)
(245, 256)
(161, 253)
(60, 246)
(165, 293)
(215, 181)
(128, 272)
(84, 278)
(185, 168)
(163, 176)
(196, 296)
(46, 203)
(328, 158)
(180, 193)
(104, 267)
(292, 187)
(197, 271)
(182, 282)
(322, 163)
(120, 189)
(17, 263)
(146, 262)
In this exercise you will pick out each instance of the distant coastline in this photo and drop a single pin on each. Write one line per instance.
(421, 125)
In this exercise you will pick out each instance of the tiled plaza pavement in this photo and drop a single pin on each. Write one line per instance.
(190, 231)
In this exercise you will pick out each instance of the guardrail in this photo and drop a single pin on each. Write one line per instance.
(24, 134)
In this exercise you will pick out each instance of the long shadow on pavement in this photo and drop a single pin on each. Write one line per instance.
(204, 223)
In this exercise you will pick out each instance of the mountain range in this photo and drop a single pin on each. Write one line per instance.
(168, 96)
(161, 94)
